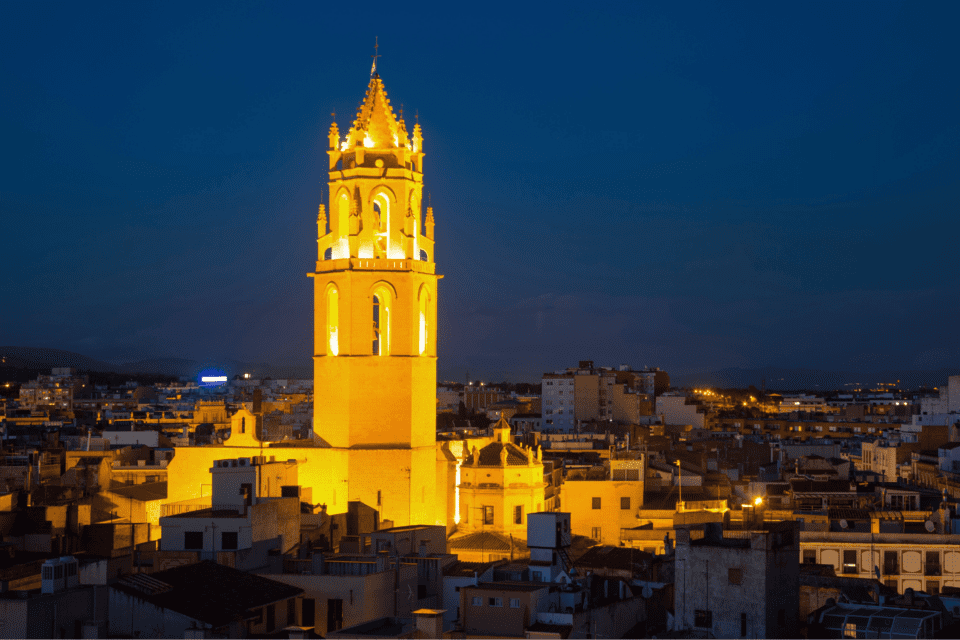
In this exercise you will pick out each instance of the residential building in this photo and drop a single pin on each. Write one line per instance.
(604, 500)
(205, 598)
(588, 393)
(738, 584)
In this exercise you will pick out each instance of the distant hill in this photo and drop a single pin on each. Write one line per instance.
(42, 360)
(779, 379)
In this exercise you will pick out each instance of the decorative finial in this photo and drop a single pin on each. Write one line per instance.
(376, 54)
(416, 114)
(429, 200)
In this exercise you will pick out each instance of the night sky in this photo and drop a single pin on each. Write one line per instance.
(685, 185)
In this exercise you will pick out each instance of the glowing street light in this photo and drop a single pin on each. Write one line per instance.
(758, 501)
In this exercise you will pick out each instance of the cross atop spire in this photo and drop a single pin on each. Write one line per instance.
(376, 54)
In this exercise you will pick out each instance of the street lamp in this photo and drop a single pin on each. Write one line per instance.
(680, 486)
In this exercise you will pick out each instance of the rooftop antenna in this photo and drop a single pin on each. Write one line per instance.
(376, 54)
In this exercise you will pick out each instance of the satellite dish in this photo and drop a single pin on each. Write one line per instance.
(929, 526)
(844, 524)
(646, 592)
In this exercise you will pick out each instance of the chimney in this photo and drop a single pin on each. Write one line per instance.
(429, 623)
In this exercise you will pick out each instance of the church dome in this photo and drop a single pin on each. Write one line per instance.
(490, 455)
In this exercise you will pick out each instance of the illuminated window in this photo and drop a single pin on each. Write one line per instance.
(381, 322)
(488, 515)
(423, 304)
(333, 321)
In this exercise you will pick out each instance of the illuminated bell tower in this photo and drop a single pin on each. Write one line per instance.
(375, 316)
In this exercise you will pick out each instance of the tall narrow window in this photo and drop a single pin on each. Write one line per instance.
(381, 321)
(333, 317)
(381, 208)
(424, 299)
(376, 325)
(343, 215)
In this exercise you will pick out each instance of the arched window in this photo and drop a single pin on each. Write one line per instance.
(381, 209)
(423, 304)
(333, 322)
(328, 253)
(423, 256)
(381, 322)
(343, 215)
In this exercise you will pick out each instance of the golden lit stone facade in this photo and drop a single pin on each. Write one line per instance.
(375, 355)
(501, 483)
(375, 294)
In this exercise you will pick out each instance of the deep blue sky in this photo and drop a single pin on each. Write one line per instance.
(685, 185)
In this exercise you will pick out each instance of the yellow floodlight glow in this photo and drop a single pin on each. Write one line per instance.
(758, 501)
(367, 141)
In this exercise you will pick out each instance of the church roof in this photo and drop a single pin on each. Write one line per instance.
(490, 455)
(375, 125)
(486, 541)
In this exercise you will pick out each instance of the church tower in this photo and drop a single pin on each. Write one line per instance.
(375, 317)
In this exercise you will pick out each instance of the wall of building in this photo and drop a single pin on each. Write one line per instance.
(504, 489)
(909, 550)
(577, 496)
(558, 395)
(502, 620)
(130, 616)
(953, 394)
(51, 615)
(364, 598)
(757, 580)
(675, 411)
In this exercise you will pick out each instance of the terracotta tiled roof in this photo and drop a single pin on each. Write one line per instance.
(486, 541)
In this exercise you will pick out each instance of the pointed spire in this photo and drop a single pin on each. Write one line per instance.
(334, 134)
(404, 138)
(417, 136)
(375, 124)
(376, 54)
(430, 223)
